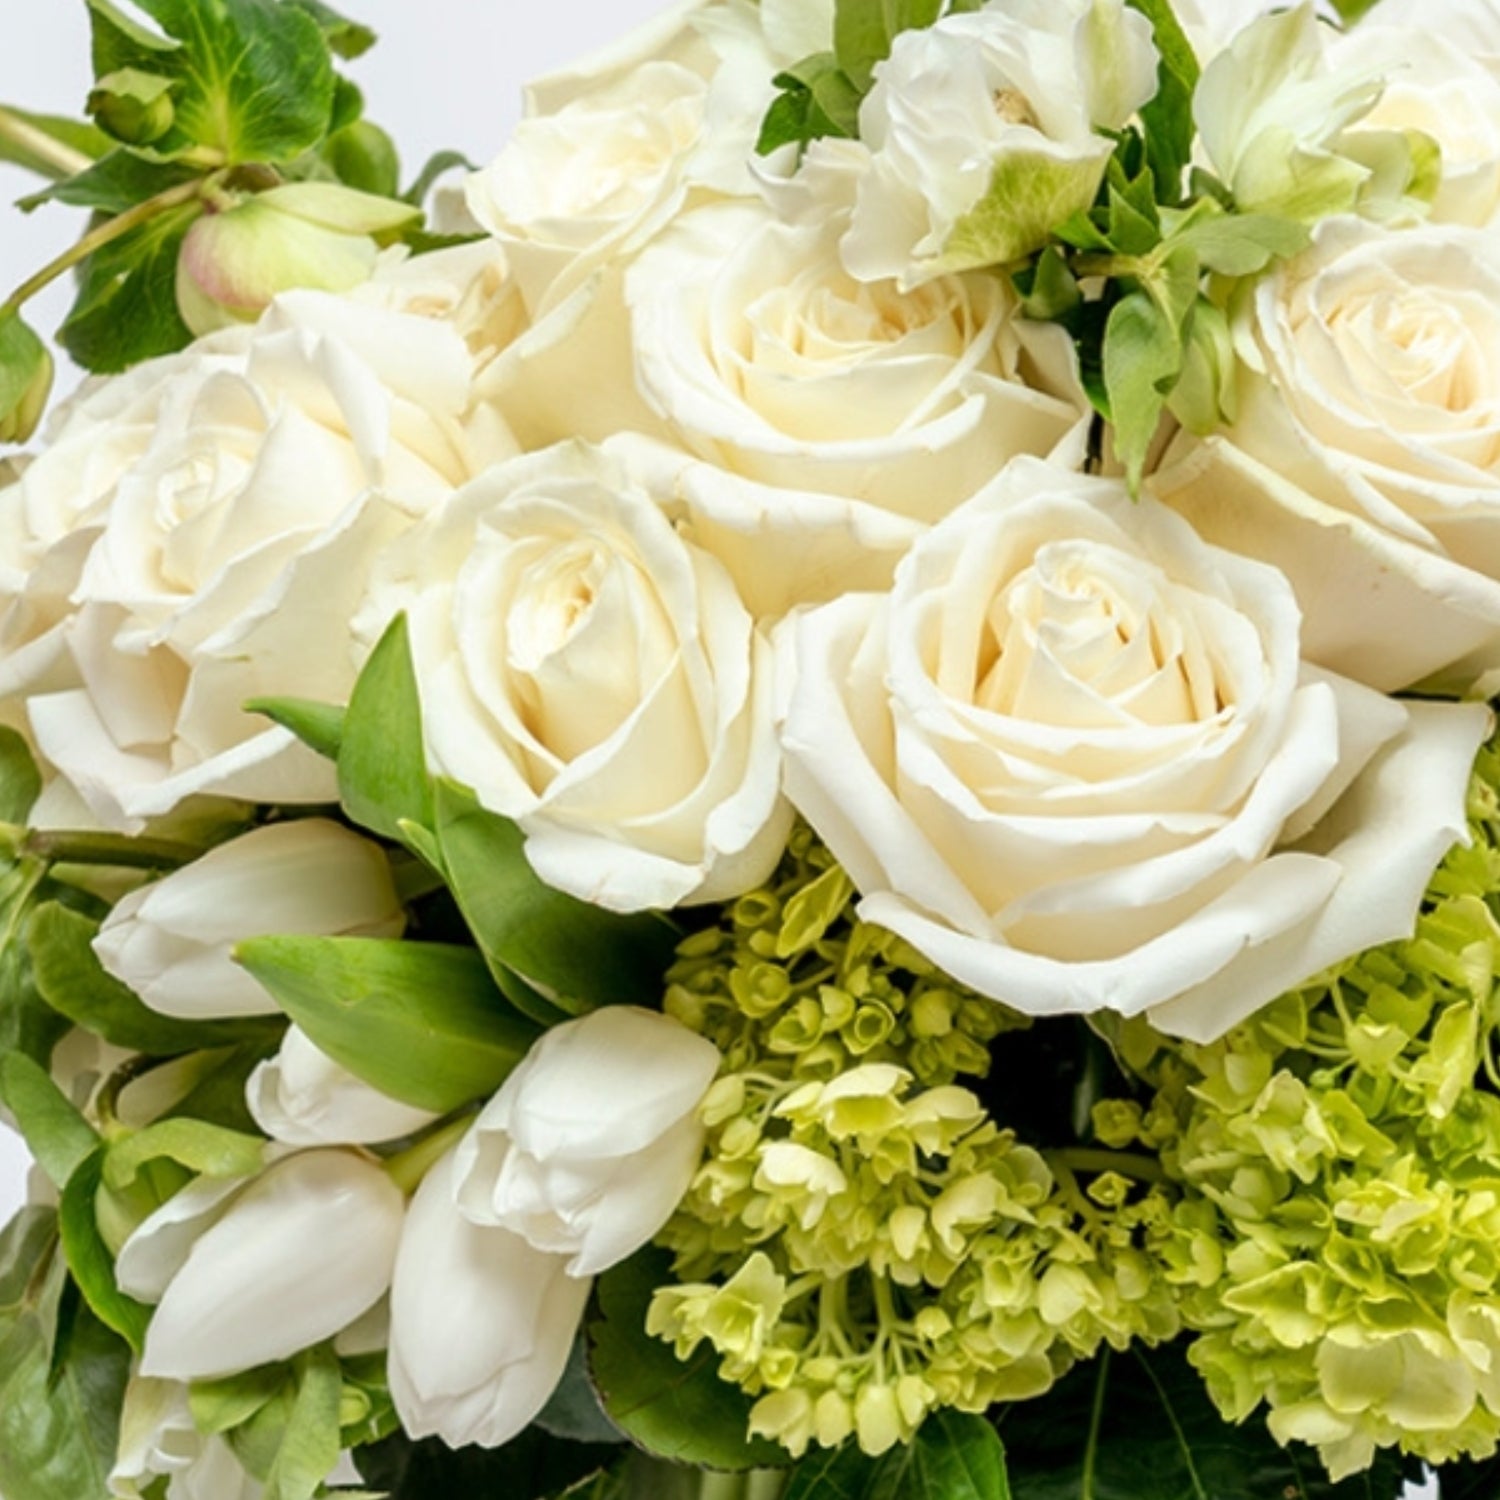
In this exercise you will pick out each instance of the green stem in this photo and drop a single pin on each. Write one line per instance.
(407, 1168)
(107, 1102)
(766, 1484)
(111, 849)
(105, 234)
(58, 160)
(1127, 1163)
(716, 1485)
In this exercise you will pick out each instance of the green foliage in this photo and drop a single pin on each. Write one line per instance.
(1167, 119)
(56, 1134)
(76, 136)
(817, 99)
(115, 183)
(320, 726)
(863, 31)
(310, 1443)
(204, 1149)
(25, 378)
(678, 1410)
(1145, 1412)
(533, 1466)
(89, 1259)
(59, 1421)
(20, 781)
(953, 1457)
(421, 1022)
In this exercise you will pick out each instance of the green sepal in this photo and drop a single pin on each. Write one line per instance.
(954, 1456)
(89, 1260)
(421, 1022)
(132, 105)
(56, 1134)
(676, 1409)
(577, 956)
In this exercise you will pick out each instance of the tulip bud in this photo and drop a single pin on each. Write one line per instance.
(301, 1253)
(133, 106)
(25, 379)
(171, 941)
(592, 1141)
(481, 1323)
(304, 1098)
(305, 234)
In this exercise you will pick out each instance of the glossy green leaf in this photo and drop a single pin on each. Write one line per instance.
(205, 1149)
(320, 726)
(1110, 1423)
(70, 978)
(126, 309)
(20, 781)
(573, 1410)
(1142, 357)
(56, 1134)
(576, 955)
(382, 763)
(422, 1022)
(954, 1456)
(58, 1427)
(89, 1260)
(675, 1409)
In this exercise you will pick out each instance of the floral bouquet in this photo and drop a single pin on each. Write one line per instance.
(789, 798)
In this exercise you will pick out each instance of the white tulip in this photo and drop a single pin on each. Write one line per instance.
(1074, 759)
(300, 1254)
(481, 1323)
(304, 1098)
(171, 941)
(159, 1439)
(592, 1141)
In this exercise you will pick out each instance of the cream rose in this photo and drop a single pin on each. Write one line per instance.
(199, 534)
(596, 678)
(1075, 760)
(856, 408)
(1365, 461)
(981, 132)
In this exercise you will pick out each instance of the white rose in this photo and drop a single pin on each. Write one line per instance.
(982, 134)
(481, 1323)
(592, 1141)
(864, 404)
(1073, 758)
(171, 941)
(298, 1256)
(218, 545)
(1365, 459)
(597, 679)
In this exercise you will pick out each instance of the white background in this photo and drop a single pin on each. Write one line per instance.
(446, 73)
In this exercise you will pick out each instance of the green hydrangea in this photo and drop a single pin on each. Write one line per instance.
(864, 1242)
(1338, 1241)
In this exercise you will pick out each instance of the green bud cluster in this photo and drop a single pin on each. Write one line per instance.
(1337, 1245)
(863, 1242)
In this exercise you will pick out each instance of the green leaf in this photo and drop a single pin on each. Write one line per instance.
(348, 38)
(58, 1427)
(533, 1466)
(114, 183)
(204, 1149)
(577, 955)
(1048, 288)
(310, 1445)
(120, 41)
(573, 1410)
(817, 99)
(1244, 244)
(89, 1260)
(675, 1409)
(1205, 396)
(20, 781)
(1146, 1412)
(27, 1023)
(76, 135)
(437, 164)
(383, 778)
(863, 31)
(363, 156)
(126, 309)
(1168, 117)
(320, 726)
(25, 379)
(422, 1022)
(70, 978)
(57, 1135)
(254, 77)
(1142, 357)
(953, 1457)
(219, 1405)
(218, 1095)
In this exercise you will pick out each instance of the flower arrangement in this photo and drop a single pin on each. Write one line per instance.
(791, 797)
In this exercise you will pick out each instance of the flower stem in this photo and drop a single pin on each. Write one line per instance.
(407, 1168)
(105, 234)
(1127, 1163)
(59, 847)
(57, 159)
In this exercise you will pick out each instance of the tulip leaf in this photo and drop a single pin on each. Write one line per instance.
(309, 1446)
(383, 778)
(70, 978)
(576, 955)
(20, 781)
(533, 1466)
(89, 1260)
(676, 1409)
(320, 726)
(59, 1422)
(1147, 1411)
(421, 1022)
(954, 1456)
(203, 1148)
(55, 1133)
